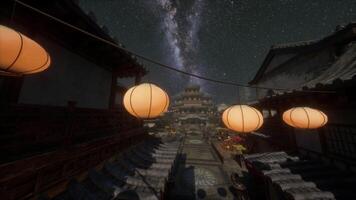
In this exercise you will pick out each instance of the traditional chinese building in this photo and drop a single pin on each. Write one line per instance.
(321, 74)
(80, 64)
(58, 124)
(326, 66)
(193, 110)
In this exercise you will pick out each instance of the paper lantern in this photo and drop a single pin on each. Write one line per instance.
(21, 55)
(305, 117)
(242, 118)
(146, 101)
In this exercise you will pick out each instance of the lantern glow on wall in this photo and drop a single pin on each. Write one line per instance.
(305, 117)
(146, 101)
(20, 55)
(242, 118)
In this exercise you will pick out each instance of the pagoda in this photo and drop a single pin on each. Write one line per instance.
(193, 111)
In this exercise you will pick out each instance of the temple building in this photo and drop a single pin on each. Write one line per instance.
(193, 110)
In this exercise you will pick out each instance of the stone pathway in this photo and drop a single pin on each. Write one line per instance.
(200, 173)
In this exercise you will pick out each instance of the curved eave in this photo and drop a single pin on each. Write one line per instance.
(341, 36)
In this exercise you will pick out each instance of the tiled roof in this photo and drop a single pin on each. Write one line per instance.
(341, 35)
(339, 29)
(344, 68)
(269, 158)
(299, 179)
(294, 44)
(143, 171)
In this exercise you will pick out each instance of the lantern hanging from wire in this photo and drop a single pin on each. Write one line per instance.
(242, 118)
(146, 101)
(20, 55)
(305, 117)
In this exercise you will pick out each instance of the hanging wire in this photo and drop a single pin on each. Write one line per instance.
(13, 12)
(238, 96)
(158, 63)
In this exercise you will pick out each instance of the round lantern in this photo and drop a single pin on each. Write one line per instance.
(21, 55)
(242, 118)
(146, 101)
(305, 117)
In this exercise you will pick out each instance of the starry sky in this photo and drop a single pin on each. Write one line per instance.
(222, 39)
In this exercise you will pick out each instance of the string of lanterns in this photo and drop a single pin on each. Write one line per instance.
(147, 101)
(20, 55)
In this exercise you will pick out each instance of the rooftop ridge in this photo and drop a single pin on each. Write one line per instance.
(338, 29)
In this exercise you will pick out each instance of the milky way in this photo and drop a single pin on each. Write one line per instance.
(221, 39)
(181, 23)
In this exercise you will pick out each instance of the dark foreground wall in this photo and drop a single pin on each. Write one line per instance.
(69, 78)
(28, 130)
(45, 146)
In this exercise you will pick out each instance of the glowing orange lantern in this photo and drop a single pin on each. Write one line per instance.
(146, 101)
(242, 118)
(305, 117)
(21, 55)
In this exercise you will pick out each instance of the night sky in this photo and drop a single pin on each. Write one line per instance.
(222, 39)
